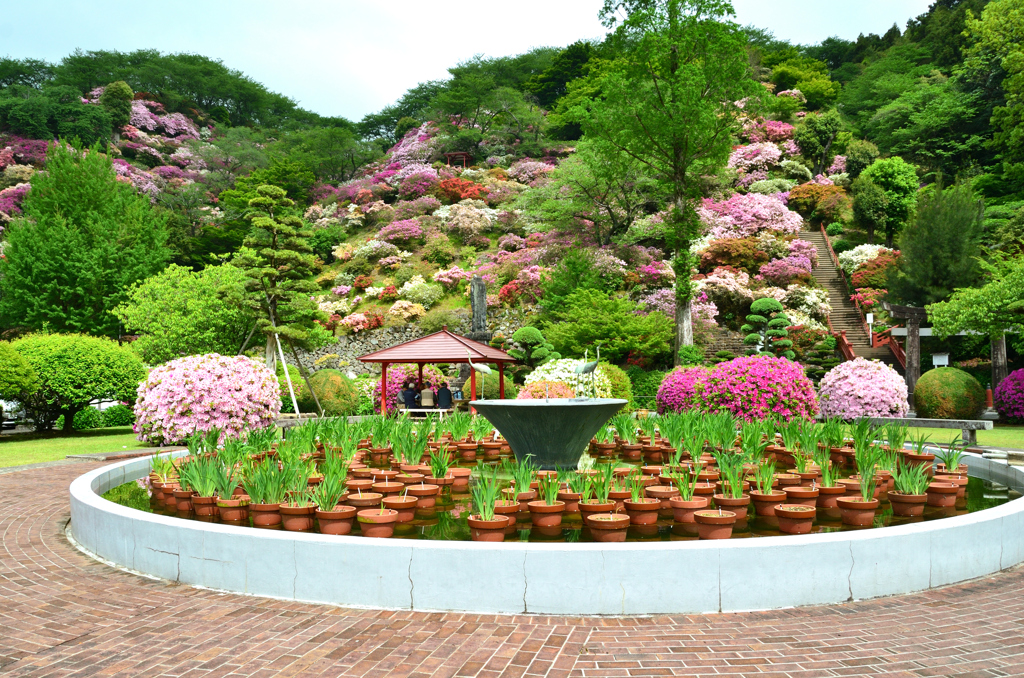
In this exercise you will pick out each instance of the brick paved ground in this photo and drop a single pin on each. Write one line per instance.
(61, 614)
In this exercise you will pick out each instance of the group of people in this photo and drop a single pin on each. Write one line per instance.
(418, 396)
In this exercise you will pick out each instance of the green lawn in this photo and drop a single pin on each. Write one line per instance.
(32, 448)
(1000, 436)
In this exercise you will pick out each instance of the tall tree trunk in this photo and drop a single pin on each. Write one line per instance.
(684, 328)
(69, 421)
(271, 353)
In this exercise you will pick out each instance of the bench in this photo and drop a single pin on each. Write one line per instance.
(426, 410)
(969, 427)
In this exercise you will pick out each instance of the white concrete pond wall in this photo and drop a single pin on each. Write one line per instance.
(564, 579)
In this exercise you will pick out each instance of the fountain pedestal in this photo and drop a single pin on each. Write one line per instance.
(554, 431)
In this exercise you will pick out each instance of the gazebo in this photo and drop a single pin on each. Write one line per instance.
(440, 347)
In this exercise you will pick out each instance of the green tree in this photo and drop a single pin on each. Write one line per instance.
(575, 270)
(766, 329)
(277, 262)
(72, 371)
(816, 136)
(117, 100)
(181, 312)
(939, 249)
(17, 378)
(534, 350)
(85, 239)
(869, 206)
(589, 317)
(898, 179)
(552, 84)
(859, 156)
(670, 104)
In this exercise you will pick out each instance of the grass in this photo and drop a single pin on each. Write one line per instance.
(33, 448)
(1000, 436)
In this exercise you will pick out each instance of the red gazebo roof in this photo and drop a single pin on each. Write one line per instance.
(440, 347)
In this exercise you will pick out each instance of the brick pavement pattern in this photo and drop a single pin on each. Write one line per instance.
(63, 614)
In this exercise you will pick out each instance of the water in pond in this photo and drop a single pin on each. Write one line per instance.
(447, 521)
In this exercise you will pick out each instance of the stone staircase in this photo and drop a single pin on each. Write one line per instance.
(845, 316)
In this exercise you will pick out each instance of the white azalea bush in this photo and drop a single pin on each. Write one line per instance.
(851, 260)
(564, 372)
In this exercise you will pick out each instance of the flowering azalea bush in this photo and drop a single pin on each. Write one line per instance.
(545, 389)
(1009, 397)
(417, 185)
(407, 209)
(747, 214)
(376, 249)
(564, 372)
(862, 388)
(419, 291)
(451, 277)
(755, 156)
(358, 322)
(526, 170)
(406, 310)
(398, 377)
(756, 387)
(403, 232)
(202, 392)
(875, 273)
(770, 130)
(656, 274)
(785, 270)
(454, 190)
(868, 297)
(851, 260)
(678, 390)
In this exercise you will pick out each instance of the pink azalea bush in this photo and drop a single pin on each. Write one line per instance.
(1009, 396)
(678, 390)
(755, 156)
(402, 232)
(407, 209)
(783, 271)
(770, 130)
(862, 388)
(747, 214)
(201, 392)
(543, 388)
(451, 277)
(526, 170)
(756, 387)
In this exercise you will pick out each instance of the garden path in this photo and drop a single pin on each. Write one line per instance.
(63, 614)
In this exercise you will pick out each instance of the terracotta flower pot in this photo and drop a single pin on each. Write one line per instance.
(703, 489)
(182, 499)
(460, 479)
(942, 494)
(682, 511)
(297, 518)
(571, 500)
(764, 504)
(409, 478)
(926, 460)
(651, 470)
(907, 505)
(957, 479)
(265, 515)
(714, 524)
(787, 480)
(336, 521)
(440, 482)
(426, 495)
(509, 509)
(388, 489)
(720, 486)
(361, 473)
(643, 511)
(632, 452)
(377, 523)
(543, 514)
(619, 496)
(827, 496)
(739, 506)
(380, 455)
(364, 500)
(467, 451)
(204, 506)
(662, 493)
(524, 498)
(795, 518)
(487, 530)
(592, 507)
(651, 453)
(607, 527)
(359, 484)
(382, 475)
(233, 510)
(807, 477)
(856, 512)
(404, 506)
(960, 470)
(798, 494)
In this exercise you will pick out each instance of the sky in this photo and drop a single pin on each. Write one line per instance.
(350, 58)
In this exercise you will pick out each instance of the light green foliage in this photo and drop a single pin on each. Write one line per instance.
(898, 179)
(869, 209)
(993, 309)
(816, 137)
(85, 240)
(181, 312)
(574, 271)
(691, 355)
(589, 316)
(766, 329)
(939, 248)
(884, 80)
(130, 495)
(117, 100)
(336, 393)
(53, 112)
(16, 374)
(73, 370)
(622, 387)
(859, 156)
(534, 350)
(810, 76)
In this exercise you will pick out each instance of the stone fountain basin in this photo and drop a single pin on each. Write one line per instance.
(553, 431)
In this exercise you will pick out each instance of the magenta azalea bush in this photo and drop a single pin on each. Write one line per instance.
(747, 214)
(862, 388)
(756, 387)
(402, 232)
(678, 390)
(1009, 397)
(201, 392)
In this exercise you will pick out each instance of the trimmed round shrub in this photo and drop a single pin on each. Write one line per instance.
(948, 393)
(118, 415)
(862, 388)
(678, 390)
(336, 392)
(621, 386)
(756, 387)
(691, 355)
(74, 370)
(490, 389)
(88, 418)
(235, 394)
(16, 374)
(645, 386)
(545, 389)
(1009, 397)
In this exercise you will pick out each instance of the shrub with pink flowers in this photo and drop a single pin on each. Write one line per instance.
(417, 185)
(202, 392)
(747, 214)
(1009, 397)
(11, 199)
(451, 277)
(407, 209)
(511, 242)
(526, 170)
(756, 387)
(656, 274)
(545, 389)
(678, 390)
(402, 232)
(862, 388)
(755, 157)
(784, 271)
(838, 165)
(770, 130)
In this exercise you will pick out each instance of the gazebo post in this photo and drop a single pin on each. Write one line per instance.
(419, 384)
(472, 385)
(501, 380)
(383, 388)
